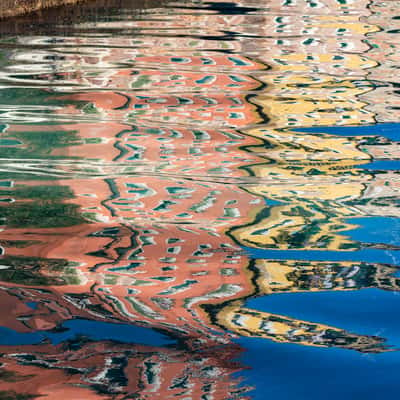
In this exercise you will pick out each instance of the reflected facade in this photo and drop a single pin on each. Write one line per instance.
(161, 168)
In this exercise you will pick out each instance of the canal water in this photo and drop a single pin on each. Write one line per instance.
(200, 200)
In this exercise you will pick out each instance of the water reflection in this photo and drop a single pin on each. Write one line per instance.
(147, 162)
(98, 370)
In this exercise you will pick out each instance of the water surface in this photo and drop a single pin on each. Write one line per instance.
(199, 200)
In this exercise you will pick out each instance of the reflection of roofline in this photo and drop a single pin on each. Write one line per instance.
(12, 8)
(34, 15)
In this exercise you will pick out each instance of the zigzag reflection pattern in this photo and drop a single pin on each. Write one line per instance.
(133, 171)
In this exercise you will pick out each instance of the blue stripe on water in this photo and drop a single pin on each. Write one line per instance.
(375, 230)
(95, 330)
(382, 165)
(390, 131)
(363, 255)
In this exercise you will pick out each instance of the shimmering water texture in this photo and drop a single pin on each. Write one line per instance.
(199, 200)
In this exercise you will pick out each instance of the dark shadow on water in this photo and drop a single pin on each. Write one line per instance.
(62, 19)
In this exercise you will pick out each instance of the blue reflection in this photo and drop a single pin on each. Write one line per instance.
(382, 165)
(364, 255)
(95, 330)
(390, 131)
(376, 230)
(299, 372)
(288, 372)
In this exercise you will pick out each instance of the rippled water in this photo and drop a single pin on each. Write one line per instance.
(199, 200)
